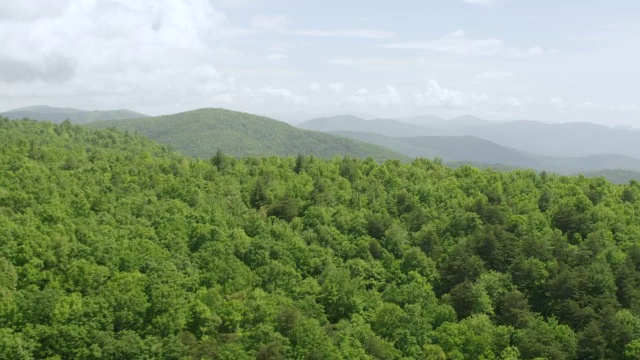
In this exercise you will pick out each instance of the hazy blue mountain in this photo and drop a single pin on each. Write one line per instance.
(78, 116)
(200, 133)
(388, 127)
(427, 125)
(626, 127)
(395, 144)
(451, 149)
(301, 116)
(566, 140)
(559, 140)
(615, 176)
(474, 150)
(435, 122)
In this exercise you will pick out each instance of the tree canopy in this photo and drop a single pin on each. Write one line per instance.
(115, 247)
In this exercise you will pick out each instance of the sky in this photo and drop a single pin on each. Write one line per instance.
(544, 60)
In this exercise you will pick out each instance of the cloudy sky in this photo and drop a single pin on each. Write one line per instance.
(547, 60)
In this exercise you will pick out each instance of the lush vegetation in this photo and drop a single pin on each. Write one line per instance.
(114, 247)
(201, 133)
(76, 116)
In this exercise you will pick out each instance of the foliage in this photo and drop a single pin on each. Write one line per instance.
(200, 133)
(114, 247)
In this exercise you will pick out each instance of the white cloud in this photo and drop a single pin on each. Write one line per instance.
(371, 64)
(458, 43)
(274, 57)
(235, 4)
(263, 98)
(341, 61)
(363, 97)
(588, 105)
(359, 96)
(355, 33)
(437, 96)
(558, 102)
(48, 68)
(495, 75)
(392, 96)
(481, 2)
(455, 45)
(535, 51)
(156, 57)
(458, 33)
(171, 55)
(105, 48)
(266, 22)
(631, 107)
(337, 88)
(28, 11)
(512, 101)
(285, 95)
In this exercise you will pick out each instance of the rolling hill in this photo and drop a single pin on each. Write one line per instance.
(388, 127)
(77, 116)
(200, 133)
(436, 122)
(474, 150)
(558, 140)
(400, 127)
(453, 149)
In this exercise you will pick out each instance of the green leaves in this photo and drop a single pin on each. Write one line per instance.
(114, 247)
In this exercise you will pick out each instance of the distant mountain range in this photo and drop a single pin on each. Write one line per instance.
(559, 140)
(76, 116)
(563, 148)
(569, 139)
(471, 149)
(387, 127)
(200, 133)
(593, 150)
(431, 121)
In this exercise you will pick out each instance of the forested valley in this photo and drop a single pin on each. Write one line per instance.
(115, 247)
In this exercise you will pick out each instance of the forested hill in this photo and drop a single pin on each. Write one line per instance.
(113, 247)
(76, 116)
(201, 133)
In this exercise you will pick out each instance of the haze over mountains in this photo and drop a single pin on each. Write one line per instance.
(432, 121)
(76, 116)
(387, 127)
(569, 139)
(562, 148)
(478, 151)
(566, 148)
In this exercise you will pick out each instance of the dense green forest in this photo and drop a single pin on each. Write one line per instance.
(115, 247)
(201, 133)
